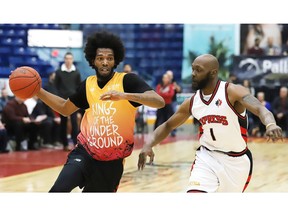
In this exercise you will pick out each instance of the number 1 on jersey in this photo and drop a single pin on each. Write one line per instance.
(212, 134)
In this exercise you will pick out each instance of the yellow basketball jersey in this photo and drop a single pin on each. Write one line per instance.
(107, 127)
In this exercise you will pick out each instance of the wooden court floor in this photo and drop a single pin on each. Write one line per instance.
(170, 171)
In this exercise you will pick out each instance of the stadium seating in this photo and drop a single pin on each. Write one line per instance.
(150, 48)
(14, 51)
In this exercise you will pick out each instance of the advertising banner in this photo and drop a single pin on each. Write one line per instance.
(260, 68)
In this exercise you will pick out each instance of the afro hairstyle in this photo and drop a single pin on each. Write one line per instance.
(106, 40)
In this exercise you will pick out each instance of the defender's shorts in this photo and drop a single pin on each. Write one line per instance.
(214, 171)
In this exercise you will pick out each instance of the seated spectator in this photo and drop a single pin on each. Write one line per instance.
(271, 49)
(232, 79)
(3, 139)
(141, 120)
(258, 128)
(4, 99)
(43, 117)
(256, 50)
(56, 140)
(280, 109)
(246, 83)
(285, 49)
(50, 87)
(18, 124)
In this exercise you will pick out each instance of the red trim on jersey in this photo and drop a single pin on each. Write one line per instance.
(213, 94)
(231, 153)
(230, 105)
(248, 153)
(244, 133)
(200, 131)
(191, 104)
(192, 165)
(237, 154)
(245, 138)
(247, 182)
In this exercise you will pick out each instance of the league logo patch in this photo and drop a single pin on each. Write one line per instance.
(218, 102)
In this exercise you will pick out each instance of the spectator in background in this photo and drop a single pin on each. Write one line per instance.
(261, 98)
(263, 32)
(4, 99)
(285, 49)
(258, 127)
(67, 80)
(166, 90)
(127, 68)
(280, 109)
(177, 89)
(247, 84)
(3, 138)
(141, 120)
(232, 79)
(271, 49)
(18, 123)
(256, 50)
(42, 116)
(50, 87)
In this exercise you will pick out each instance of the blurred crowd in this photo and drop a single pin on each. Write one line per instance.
(32, 125)
(278, 105)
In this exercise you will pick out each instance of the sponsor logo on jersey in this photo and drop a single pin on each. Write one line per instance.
(218, 102)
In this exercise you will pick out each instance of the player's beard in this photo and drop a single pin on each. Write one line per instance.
(196, 85)
(102, 78)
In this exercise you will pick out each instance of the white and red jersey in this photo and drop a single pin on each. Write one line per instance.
(222, 127)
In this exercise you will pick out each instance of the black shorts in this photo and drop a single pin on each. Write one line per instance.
(92, 175)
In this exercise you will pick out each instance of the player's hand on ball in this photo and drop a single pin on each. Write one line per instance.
(146, 151)
(25, 82)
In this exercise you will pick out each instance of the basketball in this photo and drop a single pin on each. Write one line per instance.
(25, 82)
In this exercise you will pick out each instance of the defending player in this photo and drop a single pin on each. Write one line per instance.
(223, 163)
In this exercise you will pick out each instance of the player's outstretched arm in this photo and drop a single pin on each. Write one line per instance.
(148, 98)
(162, 131)
(60, 105)
(240, 94)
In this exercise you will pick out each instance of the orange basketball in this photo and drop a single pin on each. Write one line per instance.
(25, 82)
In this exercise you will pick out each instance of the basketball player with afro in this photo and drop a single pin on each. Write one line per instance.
(223, 163)
(106, 137)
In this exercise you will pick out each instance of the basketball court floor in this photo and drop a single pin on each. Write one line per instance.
(36, 171)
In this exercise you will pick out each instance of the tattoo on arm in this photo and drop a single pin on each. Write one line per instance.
(254, 106)
(250, 99)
